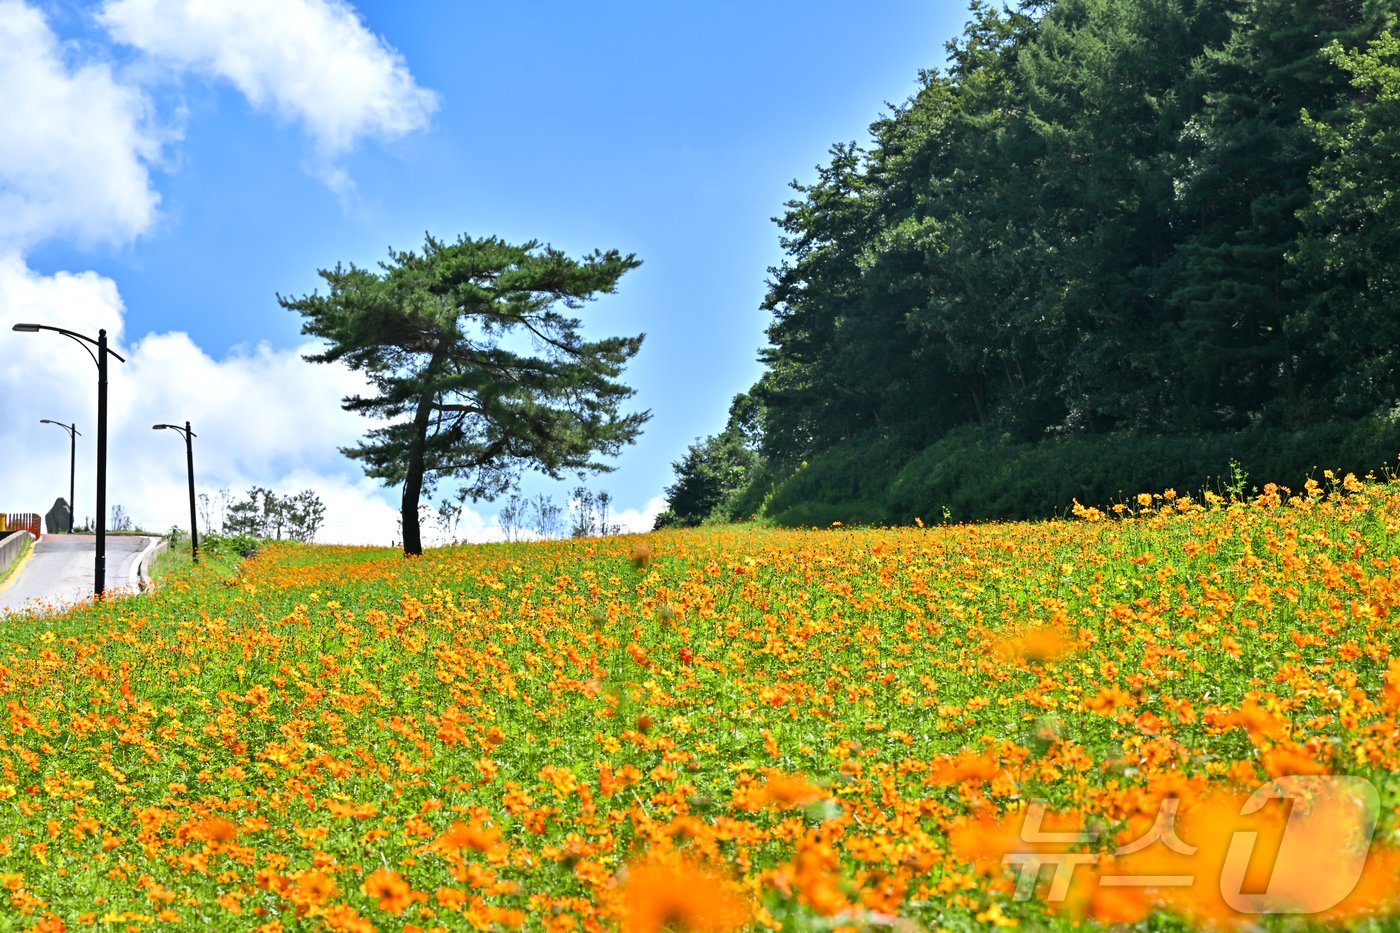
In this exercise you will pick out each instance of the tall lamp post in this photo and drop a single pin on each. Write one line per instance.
(189, 460)
(99, 568)
(73, 434)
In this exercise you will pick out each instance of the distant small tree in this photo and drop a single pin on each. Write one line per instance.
(439, 523)
(709, 474)
(546, 518)
(274, 514)
(212, 510)
(302, 514)
(120, 520)
(444, 521)
(512, 517)
(206, 512)
(250, 516)
(588, 514)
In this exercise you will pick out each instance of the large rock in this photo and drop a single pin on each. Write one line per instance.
(59, 518)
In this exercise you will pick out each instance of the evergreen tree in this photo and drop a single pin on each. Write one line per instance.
(442, 335)
(1246, 161)
(1349, 256)
(713, 471)
(824, 231)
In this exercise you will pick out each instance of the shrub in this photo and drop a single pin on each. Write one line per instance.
(977, 474)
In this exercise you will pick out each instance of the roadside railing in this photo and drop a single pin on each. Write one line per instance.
(31, 522)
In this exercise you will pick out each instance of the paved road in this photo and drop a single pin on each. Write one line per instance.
(59, 571)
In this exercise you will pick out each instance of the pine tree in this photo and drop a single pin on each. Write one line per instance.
(477, 370)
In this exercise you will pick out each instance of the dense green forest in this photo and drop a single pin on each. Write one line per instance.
(1111, 246)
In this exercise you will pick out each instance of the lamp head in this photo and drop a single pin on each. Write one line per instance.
(26, 328)
(47, 421)
(159, 427)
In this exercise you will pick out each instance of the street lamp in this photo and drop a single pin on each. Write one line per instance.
(99, 568)
(73, 434)
(189, 460)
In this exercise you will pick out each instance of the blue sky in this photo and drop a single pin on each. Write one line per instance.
(177, 172)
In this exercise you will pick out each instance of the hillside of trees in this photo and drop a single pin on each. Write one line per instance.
(1114, 245)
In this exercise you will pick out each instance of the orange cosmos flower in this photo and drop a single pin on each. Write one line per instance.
(343, 917)
(1109, 700)
(472, 835)
(217, 829)
(1257, 721)
(49, 924)
(358, 811)
(1167, 788)
(391, 890)
(1119, 905)
(682, 897)
(1390, 693)
(984, 840)
(787, 790)
(1037, 644)
(815, 875)
(315, 887)
(1285, 760)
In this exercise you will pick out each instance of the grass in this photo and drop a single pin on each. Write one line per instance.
(219, 557)
(804, 730)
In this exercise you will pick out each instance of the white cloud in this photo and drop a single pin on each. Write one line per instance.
(309, 61)
(76, 142)
(262, 416)
(636, 521)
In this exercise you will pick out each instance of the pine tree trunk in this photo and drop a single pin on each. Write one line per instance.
(413, 481)
(412, 487)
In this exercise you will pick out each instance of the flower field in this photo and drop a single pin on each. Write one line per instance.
(711, 729)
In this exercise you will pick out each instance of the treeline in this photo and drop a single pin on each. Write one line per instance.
(1105, 223)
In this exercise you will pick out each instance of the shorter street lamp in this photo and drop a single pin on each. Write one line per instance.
(189, 459)
(73, 435)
